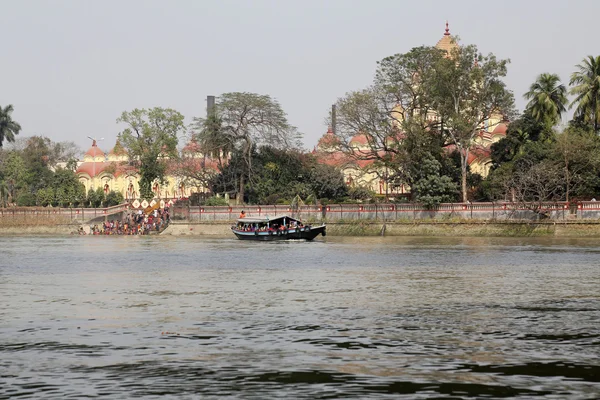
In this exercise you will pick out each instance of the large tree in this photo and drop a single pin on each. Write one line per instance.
(467, 93)
(547, 99)
(151, 137)
(585, 84)
(393, 117)
(8, 127)
(247, 120)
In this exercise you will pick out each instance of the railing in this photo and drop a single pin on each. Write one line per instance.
(71, 213)
(336, 212)
(388, 212)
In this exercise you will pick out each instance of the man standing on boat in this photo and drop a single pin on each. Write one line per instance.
(242, 214)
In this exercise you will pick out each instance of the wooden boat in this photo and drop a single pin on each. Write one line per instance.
(277, 228)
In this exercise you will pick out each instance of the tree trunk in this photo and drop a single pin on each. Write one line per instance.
(240, 199)
(463, 177)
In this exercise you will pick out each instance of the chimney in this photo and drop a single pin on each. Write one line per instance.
(333, 120)
(210, 105)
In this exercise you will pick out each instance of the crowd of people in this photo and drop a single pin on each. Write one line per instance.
(134, 223)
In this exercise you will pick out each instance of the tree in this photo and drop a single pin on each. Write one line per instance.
(8, 127)
(326, 182)
(95, 197)
(578, 153)
(586, 88)
(68, 190)
(210, 137)
(3, 193)
(547, 99)
(393, 116)
(431, 188)
(114, 198)
(36, 156)
(150, 138)
(467, 92)
(15, 172)
(247, 120)
(533, 184)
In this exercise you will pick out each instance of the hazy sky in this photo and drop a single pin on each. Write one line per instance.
(71, 67)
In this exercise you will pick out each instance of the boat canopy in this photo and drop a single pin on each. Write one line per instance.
(266, 219)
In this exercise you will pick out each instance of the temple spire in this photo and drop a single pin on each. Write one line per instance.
(447, 33)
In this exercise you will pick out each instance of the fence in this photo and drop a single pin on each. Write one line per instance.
(337, 212)
(391, 212)
(70, 214)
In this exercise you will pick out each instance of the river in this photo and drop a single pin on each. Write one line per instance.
(213, 318)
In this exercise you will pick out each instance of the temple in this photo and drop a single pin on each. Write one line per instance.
(362, 170)
(112, 171)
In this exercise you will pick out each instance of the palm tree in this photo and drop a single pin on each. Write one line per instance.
(547, 99)
(8, 127)
(586, 88)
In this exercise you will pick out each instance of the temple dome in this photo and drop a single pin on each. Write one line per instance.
(446, 43)
(94, 153)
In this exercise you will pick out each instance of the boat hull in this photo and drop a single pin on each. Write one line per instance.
(305, 233)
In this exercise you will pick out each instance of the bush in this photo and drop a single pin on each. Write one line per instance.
(216, 201)
(360, 193)
(114, 198)
(26, 200)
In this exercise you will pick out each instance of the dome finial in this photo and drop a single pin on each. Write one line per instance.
(447, 33)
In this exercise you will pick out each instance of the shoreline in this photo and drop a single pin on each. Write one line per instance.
(360, 228)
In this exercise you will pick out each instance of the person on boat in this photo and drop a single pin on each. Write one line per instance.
(242, 214)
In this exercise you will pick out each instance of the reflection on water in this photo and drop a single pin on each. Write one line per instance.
(414, 318)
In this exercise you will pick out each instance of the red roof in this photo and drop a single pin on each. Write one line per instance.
(500, 129)
(92, 168)
(329, 140)
(95, 151)
(360, 138)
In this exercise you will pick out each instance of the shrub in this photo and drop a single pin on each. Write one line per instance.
(114, 198)
(216, 201)
(26, 200)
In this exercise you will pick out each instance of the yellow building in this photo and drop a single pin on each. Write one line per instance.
(112, 172)
(358, 169)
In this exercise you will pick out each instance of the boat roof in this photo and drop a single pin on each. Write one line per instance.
(266, 218)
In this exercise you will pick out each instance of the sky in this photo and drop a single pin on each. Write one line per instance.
(71, 67)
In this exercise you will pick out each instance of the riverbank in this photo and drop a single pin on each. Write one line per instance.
(37, 225)
(352, 228)
(421, 228)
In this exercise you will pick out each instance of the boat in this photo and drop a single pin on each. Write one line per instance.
(281, 227)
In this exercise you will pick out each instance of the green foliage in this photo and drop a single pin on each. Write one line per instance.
(68, 190)
(45, 197)
(216, 201)
(241, 122)
(15, 173)
(547, 100)
(360, 193)
(3, 193)
(8, 127)
(586, 88)
(95, 198)
(279, 176)
(151, 136)
(113, 198)
(26, 200)
(326, 182)
(431, 188)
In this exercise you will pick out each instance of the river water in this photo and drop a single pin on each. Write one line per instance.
(413, 318)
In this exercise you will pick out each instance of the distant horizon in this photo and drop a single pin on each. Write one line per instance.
(74, 67)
